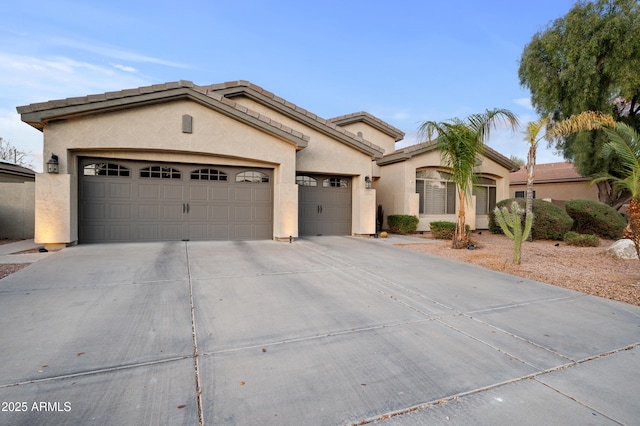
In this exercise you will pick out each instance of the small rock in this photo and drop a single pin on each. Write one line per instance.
(623, 249)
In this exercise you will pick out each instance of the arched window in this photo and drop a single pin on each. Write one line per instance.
(160, 172)
(437, 192)
(485, 192)
(105, 169)
(252, 176)
(306, 181)
(208, 174)
(335, 183)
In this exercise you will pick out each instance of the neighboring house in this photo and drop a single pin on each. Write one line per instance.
(558, 182)
(230, 161)
(17, 205)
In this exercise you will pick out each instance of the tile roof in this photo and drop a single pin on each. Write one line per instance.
(231, 89)
(14, 169)
(549, 172)
(371, 120)
(408, 152)
(38, 113)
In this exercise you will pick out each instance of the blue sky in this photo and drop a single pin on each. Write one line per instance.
(403, 61)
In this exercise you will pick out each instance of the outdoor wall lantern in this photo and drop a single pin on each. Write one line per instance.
(52, 164)
(367, 182)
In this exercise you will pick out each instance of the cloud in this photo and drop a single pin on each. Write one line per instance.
(113, 52)
(125, 68)
(524, 102)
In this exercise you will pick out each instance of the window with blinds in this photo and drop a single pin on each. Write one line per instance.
(485, 192)
(436, 191)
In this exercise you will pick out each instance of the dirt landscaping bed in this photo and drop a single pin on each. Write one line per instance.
(585, 269)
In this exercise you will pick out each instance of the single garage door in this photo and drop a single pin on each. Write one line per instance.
(324, 205)
(122, 201)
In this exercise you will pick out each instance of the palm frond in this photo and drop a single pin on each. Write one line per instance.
(587, 120)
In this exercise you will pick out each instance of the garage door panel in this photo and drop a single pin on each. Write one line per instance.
(93, 189)
(120, 190)
(219, 231)
(172, 192)
(261, 213)
(261, 195)
(154, 202)
(220, 194)
(120, 212)
(120, 232)
(198, 193)
(93, 211)
(172, 212)
(242, 194)
(149, 212)
(219, 213)
(149, 191)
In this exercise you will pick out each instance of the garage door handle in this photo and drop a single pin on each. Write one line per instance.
(184, 208)
(320, 209)
(188, 207)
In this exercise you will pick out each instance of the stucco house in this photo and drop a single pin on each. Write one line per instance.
(231, 161)
(557, 182)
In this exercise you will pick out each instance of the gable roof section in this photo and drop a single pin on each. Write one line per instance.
(232, 89)
(408, 152)
(549, 173)
(38, 114)
(371, 120)
(15, 170)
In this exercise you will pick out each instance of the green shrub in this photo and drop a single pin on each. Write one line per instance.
(551, 222)
(594, 217)
(581, 240)
(442, 230)
(402, 223)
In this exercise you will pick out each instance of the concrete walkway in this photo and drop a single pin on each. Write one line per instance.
(11, 252)
(324, 331)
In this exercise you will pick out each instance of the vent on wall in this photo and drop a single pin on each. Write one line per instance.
(187, 124)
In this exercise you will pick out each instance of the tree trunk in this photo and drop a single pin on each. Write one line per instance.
(633, 228)
(531, 164)
(460, 238)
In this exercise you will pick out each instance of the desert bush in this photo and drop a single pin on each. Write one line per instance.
(402, 223)
(594, 217)
(551, 222)
(442, 230)
(581, 240)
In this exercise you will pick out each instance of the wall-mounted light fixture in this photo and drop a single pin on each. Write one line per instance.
(367, 182)
(53, 164)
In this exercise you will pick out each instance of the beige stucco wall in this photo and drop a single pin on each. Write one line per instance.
(373, 135)
(560, 191)
(397, 191)
(326, 155)
(154, 133)
(17, 209)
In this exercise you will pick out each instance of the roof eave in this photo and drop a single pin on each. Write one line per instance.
(40, 117)
(296, 113)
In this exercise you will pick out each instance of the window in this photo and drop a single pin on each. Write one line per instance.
(437, 192)
(208, 174)
(523, 194)
(335, 183)
(105, 169)
(485, 192)
(252, 176)
(160, 172)
(306, 181)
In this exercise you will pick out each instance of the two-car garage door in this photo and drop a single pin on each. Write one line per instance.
(141, 201)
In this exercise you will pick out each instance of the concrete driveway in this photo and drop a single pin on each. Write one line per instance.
(324, 331)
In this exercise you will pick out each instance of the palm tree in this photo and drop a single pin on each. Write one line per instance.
(460, 142)
(623, 142)
(531, 137)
